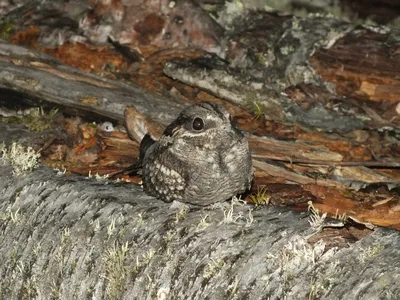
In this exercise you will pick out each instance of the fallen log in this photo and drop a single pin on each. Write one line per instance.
(71, 237)
(39, 77)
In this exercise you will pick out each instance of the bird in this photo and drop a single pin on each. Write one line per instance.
(201, 158)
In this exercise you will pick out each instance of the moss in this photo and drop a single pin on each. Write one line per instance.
(6, 30)
(260, 197)
(257, 110)
(38, 120)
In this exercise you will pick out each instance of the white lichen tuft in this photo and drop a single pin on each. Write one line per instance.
(231, 217)
(60, 171)
(316, 219)
(203, 224)
(99, 177)
(21, 159)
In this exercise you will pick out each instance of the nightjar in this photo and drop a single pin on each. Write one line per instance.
(201, 158)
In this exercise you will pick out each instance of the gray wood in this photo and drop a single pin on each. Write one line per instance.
(62, 237)
(40, 76)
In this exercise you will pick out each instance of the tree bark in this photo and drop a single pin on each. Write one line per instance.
(69, 238)
(73, 237)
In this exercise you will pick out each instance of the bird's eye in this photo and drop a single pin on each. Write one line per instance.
(198, 124)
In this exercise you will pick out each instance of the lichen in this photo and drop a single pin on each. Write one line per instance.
(316, 219)
(203, 224)
(181, 213)
(116, 270)
(21, 159)
(213, 267)
(369, 252)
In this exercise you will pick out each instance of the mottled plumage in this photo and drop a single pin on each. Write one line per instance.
(201, 158)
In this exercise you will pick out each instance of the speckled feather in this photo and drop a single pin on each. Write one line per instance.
(197, 166)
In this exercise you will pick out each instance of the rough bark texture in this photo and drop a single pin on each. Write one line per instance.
(75, 238)
(71, 237)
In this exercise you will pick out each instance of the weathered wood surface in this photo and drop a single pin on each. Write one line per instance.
(362, 64)
(64, 237)
(43, 78)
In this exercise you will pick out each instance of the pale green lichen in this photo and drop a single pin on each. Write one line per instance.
(213, 267)
(203, 224)
(21, 159)
(115, 223)
(116, 270)
(181, 214)
(369, 252)
(169, 236)
(144, 260)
